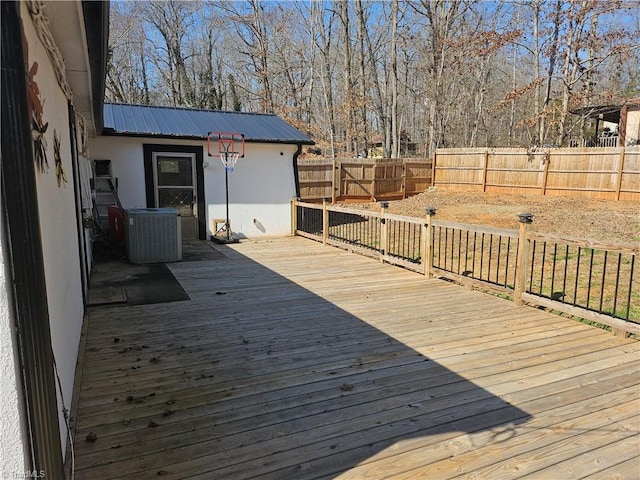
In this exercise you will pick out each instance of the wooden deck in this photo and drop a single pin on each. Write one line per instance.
(298, 361)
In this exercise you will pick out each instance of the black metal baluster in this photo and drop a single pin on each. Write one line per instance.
(566, 268)
(466, 253)
(506, 271)
(498, 262)
(589, 282)
(633, 261)
(473, 257)
(615, 294)
(604, 270)
(481, 256)
(459, 249)
(490, 257)
(533, 262)
(553, 272)
(439, 245)
(544, 259)
(575, 287)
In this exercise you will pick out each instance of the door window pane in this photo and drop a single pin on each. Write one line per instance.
(174, 171)
(179, 198)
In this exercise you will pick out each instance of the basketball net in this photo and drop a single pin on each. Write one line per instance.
(229, 160)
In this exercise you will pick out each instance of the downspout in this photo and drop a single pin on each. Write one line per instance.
(295, 169)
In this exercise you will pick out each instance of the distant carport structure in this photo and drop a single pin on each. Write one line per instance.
(625, 114)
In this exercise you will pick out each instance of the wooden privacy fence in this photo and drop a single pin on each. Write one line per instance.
(598, 282)
(363, 179)
(608, 173)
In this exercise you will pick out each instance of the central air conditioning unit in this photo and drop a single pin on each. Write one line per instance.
(153, 235)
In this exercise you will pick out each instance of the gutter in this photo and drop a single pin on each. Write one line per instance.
(110, 132)
(295, 169)
(96, 20)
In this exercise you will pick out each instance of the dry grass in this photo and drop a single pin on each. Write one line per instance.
(579, 217)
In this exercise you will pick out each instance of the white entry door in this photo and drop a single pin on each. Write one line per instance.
(175, 187)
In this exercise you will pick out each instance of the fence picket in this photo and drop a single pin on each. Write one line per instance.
(608, 173)
(363, 179)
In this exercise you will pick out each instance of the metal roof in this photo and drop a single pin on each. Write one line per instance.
(179, 122)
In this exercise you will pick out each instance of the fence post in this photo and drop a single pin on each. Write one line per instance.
(620, 173)
(294, 216)
(525, 220)
(484, 170)
(427, 242)
(545, 174)
(374, 171)
(325, 221)
(333, 181)
(433, 169)
(340, 189)
(384, 232)
(403, 182)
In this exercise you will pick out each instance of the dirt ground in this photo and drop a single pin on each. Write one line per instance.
(579, 217)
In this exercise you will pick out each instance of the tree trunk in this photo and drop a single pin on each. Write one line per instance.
(395, 134)
(550, 70)
(348, 80)
(363, 121)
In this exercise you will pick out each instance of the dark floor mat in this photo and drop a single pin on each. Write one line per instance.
(106, 296)
(142, 283)
(198, 251)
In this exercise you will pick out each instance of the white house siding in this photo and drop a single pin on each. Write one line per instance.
(260, 187)
(12, 440)
(58, 227)
(633, 126)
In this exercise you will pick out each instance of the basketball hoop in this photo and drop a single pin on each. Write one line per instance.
(224, 142)
(229, 160)
(230, 147)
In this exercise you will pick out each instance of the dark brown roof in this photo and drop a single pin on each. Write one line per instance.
(609, 113)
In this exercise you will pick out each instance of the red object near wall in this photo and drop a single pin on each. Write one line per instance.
(116, 225)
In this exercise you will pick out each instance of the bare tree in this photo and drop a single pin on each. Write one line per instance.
(587, 45)
(445, 72)
(127, 80)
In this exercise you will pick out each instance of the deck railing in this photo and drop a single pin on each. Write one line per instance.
(473, 254)
(598, 282)
(574, 275)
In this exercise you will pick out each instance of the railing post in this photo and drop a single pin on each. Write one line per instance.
(294, 216)
(525, 220)
(384, 232)
(427, 242)
(325, 221)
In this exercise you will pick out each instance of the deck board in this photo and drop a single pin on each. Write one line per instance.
(294, 360)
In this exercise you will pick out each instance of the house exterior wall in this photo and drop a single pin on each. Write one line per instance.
(260, 187)
(633, 126)
(12, 438)
(57, 207)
